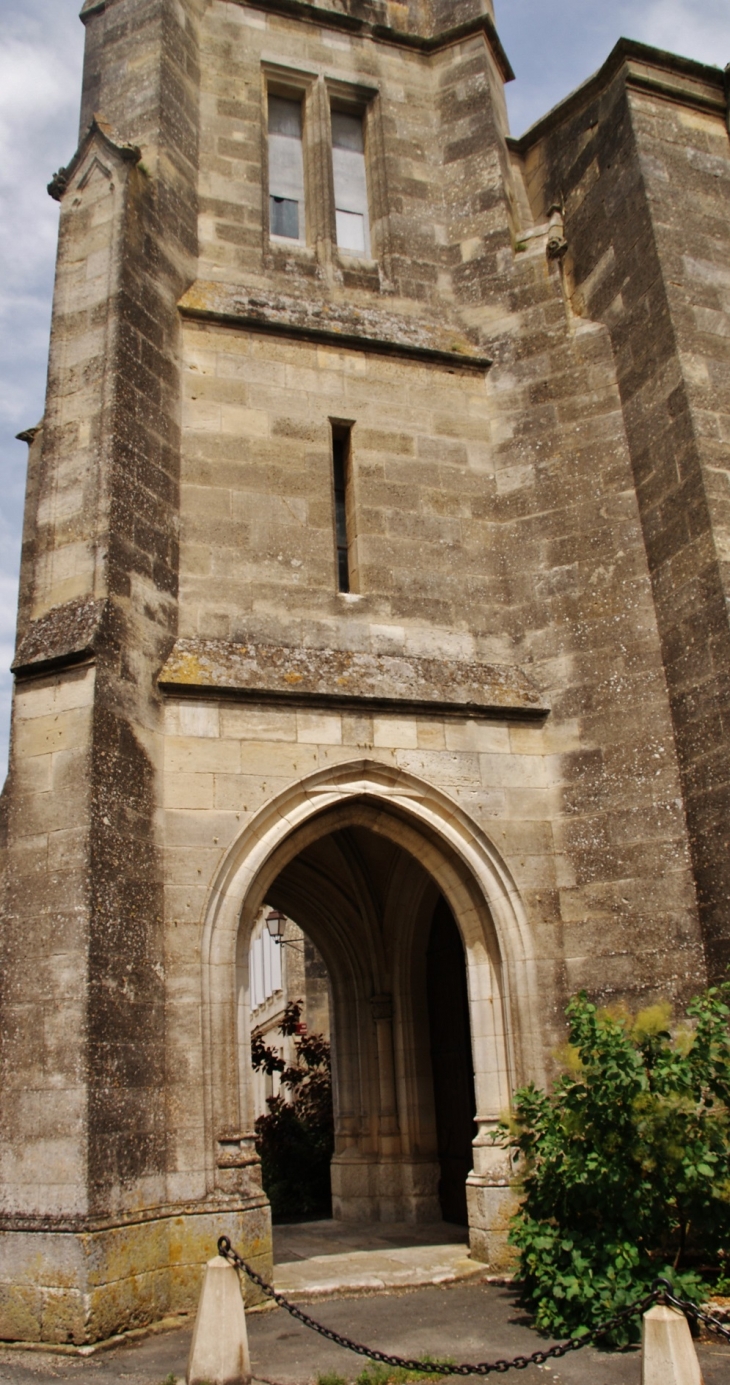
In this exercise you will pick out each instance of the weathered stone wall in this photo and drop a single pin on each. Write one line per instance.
(502, 695)
(84, 1120)
(495, 523)
(45, 940)
(643, 164)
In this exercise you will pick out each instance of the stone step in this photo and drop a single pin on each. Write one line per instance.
(376, 1271)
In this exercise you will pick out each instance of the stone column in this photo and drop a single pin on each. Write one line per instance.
(382, 1009)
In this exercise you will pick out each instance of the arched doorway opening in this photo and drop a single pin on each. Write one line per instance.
(361, 855)
(291, 1068)
(402, 1061)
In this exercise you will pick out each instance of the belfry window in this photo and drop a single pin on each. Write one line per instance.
(286, 169)
(350, 183)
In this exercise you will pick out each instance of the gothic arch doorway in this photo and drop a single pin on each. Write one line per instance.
(402, 1058)
(364, 859)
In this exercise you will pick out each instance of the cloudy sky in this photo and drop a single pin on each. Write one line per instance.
(552, 46)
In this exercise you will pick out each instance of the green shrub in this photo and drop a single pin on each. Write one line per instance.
(295, 1140)
(626, 1164)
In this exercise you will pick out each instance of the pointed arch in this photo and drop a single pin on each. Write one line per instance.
(465, 865)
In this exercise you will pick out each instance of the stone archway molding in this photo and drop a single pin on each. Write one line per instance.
(459, 855)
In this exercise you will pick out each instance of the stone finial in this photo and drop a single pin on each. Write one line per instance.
(58, 184)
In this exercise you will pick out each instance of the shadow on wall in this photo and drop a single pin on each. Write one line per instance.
(451, 1060)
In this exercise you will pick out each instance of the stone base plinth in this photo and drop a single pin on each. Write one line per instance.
(82, 1286)
(490, 1206)
(491, 1199)
(399, 1189)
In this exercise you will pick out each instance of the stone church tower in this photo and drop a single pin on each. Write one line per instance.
(376, 567)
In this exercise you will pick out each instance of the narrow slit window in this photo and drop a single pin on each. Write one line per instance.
(286, 169)
(341, 469)
(351, 191)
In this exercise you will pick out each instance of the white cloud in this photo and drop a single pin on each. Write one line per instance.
(694, 28)
(41, 43)
(553, 48)
(8, 600)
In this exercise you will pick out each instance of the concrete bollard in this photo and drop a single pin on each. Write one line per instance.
(668, 1355)
(219, 1349)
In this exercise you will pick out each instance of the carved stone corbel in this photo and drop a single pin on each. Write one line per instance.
(556, 242)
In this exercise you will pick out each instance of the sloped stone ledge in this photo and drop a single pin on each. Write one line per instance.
(339, 677)
(66, 634)
(341, 323)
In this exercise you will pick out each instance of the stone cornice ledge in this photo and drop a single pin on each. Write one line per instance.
(345, 679)
(65, 635)
(342, 324)
(371, 27)
(80, 1223)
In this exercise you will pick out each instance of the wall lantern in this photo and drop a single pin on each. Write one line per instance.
(276, 923)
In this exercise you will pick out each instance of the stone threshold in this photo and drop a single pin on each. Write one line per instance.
(379, 1271)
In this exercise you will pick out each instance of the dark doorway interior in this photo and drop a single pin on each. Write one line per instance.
(451, 1058)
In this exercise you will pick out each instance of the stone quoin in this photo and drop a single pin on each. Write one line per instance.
(375, 569)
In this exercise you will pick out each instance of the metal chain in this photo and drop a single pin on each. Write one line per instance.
(692, 1310)
(518, 1363)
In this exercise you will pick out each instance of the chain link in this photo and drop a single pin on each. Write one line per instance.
(692, 1310)
(661, 1289)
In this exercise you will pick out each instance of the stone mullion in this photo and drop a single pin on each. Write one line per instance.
(320, 210)
(377, 176)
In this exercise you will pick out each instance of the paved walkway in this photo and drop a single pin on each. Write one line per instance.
(464, 1321)
(407, 1290)
(324, 1258)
